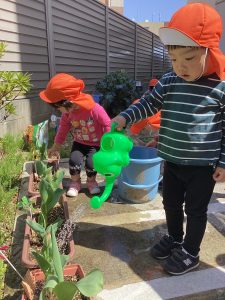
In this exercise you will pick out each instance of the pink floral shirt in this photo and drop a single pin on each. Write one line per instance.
(87, 126)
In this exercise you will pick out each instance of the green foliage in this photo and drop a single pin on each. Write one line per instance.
(11, 162)
(118, 92)
(11, 144)
(3, 267)
(13, 85)
(2, 49)
(53, 265)
(42, 169)
(49, 197)
(25, 204)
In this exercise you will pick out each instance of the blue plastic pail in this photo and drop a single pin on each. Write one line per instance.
(139, 181)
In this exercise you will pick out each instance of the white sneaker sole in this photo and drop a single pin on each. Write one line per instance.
(181, 273)
(72, 193)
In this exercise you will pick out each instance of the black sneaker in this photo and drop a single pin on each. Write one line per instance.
(180, 262)
(163, 248)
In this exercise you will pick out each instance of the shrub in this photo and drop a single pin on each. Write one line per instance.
(118, 92)
(13, 85)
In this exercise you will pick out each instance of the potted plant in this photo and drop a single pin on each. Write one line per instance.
(117, 92)
(53, 275)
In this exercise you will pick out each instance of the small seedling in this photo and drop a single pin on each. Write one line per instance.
(26, 204)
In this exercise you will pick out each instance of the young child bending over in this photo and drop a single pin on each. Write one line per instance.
(87, 121)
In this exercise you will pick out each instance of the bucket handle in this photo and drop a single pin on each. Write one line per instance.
(142, 186)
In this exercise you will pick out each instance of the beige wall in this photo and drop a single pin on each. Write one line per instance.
(117, 5)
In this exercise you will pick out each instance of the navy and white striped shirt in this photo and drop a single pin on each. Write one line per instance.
(192, 128)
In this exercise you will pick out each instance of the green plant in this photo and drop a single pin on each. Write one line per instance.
(50, 195)
(42, 169)
(118, 91)
(53, 267)
(13, 85)
(45, 234)
(25, 204)
(11, 162)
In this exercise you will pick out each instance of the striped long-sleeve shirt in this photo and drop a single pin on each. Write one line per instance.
(192, 128)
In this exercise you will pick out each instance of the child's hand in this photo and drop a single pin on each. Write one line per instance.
(121, 121)
(219, 175)
(54, 151)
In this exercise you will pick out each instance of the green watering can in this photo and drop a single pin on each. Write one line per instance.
(109, 160)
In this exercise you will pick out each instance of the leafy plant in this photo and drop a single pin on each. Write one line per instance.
(25, 204)
(45, 234)
(49, 197)
(118, 91)
(11, 162)
(55, 285)
(13, 85)
(42, 169)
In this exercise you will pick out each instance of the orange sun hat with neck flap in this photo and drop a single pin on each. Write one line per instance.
(66, 87)
(197, 25)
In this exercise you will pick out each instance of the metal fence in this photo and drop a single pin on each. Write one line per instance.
(80, 37)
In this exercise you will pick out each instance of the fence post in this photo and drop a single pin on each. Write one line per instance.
(49, 29)
(107, 39)
(135, 52)
(152, 71)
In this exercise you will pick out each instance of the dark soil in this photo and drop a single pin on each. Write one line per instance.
(36, 241)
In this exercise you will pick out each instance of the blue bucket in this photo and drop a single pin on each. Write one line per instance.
(139, 181)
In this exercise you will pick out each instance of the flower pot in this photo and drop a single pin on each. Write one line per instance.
(26, 259)
(34, 276)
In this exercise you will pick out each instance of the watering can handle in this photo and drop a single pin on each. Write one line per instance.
(113, 127)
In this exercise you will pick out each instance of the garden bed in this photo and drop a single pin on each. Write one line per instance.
(31, 241)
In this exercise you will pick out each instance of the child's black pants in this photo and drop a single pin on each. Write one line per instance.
(188, 187)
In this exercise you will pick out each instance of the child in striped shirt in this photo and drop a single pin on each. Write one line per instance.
(192, 130)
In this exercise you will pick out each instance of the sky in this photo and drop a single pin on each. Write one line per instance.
(151, 10)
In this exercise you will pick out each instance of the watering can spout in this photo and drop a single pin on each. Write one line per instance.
(109, 160)
(97, 201)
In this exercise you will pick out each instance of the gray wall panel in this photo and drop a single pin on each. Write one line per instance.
(80, 37)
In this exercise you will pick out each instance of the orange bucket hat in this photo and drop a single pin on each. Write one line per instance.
(197, 25)
(154, 121)
(66, 87)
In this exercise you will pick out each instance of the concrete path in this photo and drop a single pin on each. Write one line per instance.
(117, 237)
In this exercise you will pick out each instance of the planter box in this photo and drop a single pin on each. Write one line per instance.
(37, 275)
(26, 259)
(31, 190)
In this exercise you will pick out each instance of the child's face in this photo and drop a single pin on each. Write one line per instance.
(67, 110)
(189, 63)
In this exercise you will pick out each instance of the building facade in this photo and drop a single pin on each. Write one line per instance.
(116, 5)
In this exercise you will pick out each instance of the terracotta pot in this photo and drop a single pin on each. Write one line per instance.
(32, 277)
(26, 260)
